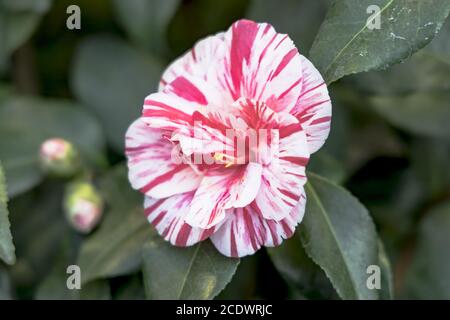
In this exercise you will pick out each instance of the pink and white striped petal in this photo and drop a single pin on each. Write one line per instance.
(167, 216)
(222, 189)
(151, 165)
(313, 107)
(199, 62)
(262, 65)
(283, 179)
(245, 230)
(172, 108)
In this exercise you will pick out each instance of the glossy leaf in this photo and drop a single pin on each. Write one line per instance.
(146, 21)
(18, 20)
(27, 122)
(424, 114)
(339, 235)
(300, 271)
(429, 275)
(38, 226)
(54, 286)
(197, 272)
(113, 78)
(115, 248)
(5, 284)
(7, 250)
(346, 42)
(387, 278)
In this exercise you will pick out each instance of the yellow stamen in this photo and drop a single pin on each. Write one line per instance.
(224, 158)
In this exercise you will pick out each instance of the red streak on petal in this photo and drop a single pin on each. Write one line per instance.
(150, 209)
(320, 120)
(162, 178)
(303, 111)
(311, 89)
(250, 228)
(273, 232)
(289, 194)
(185, 89)
(159, 218)
(287, 229)
(243, 36)
(183, 235)
(301, 161)
(286, 59)
(281, 96)
(289, 130)
(167, 111)
(233, 247)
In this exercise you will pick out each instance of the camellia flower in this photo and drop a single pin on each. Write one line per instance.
(249, 79)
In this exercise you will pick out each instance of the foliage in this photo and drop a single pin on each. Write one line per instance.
(378, 192)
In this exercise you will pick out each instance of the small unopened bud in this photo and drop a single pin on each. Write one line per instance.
(83, 206)
(59, 157)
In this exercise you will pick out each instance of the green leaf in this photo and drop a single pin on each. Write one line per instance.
(7, 250)
(146, 21)
(18, 20)
(116, 247)
(113, 79)
(27, 122)
(5, 284)
(54, 286)
(300, 271)
(422, 72)
(197, 272)
(244, 283)
(387, 281)
(326, 165)
(429, 274)
(425, 114)
(339, 235)
(430, 159)
(345, 44)
(132, 289)
(38, 226)
(440, 46)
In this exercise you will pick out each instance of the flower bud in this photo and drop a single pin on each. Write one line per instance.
(83, 206)
(59, 157)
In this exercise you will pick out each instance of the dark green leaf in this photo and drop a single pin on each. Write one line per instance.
(38, 226)
(300, 271)
(27, 122)
(345, 44)
(54, 286)
(426, 114)
(422, 72)
(18, 20)
(244, 283)
(198, 272)
(339, 235)
(326, 165)
(440, 46)
(429, 275)
(113, 79)
(7, 250)
(115, 248)
(5, 284)
(132, 289)
(387, 281)
(146, 21)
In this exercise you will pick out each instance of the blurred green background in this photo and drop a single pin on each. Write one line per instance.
(389, 144)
